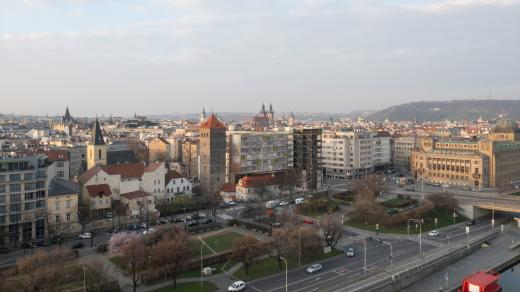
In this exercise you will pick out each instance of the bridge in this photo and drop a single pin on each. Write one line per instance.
(482, 208)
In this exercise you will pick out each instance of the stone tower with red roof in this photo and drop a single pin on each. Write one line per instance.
(212, 172)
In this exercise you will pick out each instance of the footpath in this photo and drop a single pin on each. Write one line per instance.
(484, 259)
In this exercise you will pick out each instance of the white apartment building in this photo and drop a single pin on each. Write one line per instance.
(257, 153)
(348, 154)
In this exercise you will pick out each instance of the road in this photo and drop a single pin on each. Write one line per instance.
(340, 270)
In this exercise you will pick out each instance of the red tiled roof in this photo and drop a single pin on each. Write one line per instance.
(89, 174)
(153, 167)
(172, 174)
(99, 190)
(135, 195)
(58, 155)
(212, 123)
(228, 188)
(129, 170)
(254, 181)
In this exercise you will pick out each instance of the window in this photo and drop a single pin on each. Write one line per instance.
(14, 177)
(68, 216)
(2, 189)
(29, 176)
(13, 198)
(40, 204)
(57, 218)
(14, 187)
(60, 173)
(60, 164)
(56, 205)
(99, 153)
(68, 204)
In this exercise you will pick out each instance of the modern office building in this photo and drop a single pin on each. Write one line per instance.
(307, 156)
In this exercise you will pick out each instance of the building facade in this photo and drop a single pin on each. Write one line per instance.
(402, 148)
(62, 207)
(23, 196)
(252, 153)
(212, 173)
(307, 156)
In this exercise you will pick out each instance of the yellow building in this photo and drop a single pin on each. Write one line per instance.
(489, 162)
(158, 150)
(62, 207)
(96, 149)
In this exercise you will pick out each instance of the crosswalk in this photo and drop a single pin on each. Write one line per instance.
(427, 241)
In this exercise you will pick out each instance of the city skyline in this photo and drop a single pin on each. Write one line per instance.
(175, 56)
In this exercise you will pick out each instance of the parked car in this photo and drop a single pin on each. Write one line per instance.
(178, 220)
(433, 233)
(4, 249)
(77, 245)
(314, 268)
(29, 244)
(142, 225)
(284, 203)
(299, 201)
(350, 252)
(108, 215)
(150, 230)
(471, 223)
(205, 221)
(276, 224)
(308, 221)
(133, 227)
(111, 231)
(85, 235)
(56, 239)
(237, 286)
(410, 189)
(192, 223)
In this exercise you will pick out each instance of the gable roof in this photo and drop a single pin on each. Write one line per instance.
(172, 174)
(129, 170)
(89, 174)
(135, 195)
(153, 167)
(212, 123)
(60, 186)
(99, 190)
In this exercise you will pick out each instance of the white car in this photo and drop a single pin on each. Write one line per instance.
(237, 286)
(433, 233)
(150, 230)
(284, 203)
(350, 252)
(85, 235)
(314, 268)
(142, 225)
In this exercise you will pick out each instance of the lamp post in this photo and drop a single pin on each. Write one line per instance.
(419, 222)
(365, 262)
(391, 251)
(286, 283)
(84, 278)
(201, 264)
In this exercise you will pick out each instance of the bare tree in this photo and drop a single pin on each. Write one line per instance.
(304, 240)
(245, 250)
(368, 187)
(331, 230)
(171, 254)
(135, 255)
(42, 271)
(279, 244)
(443, 201)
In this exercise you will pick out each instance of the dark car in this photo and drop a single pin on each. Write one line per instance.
(29, 245)
(78, 245)
(133, 227)
(43, 243)
(4, 249)
(192, 224)
(471, 223)
(178, 220)
(163, 221)
(205, 221)
(111, 231)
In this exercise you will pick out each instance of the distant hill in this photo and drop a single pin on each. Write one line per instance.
(453, 110)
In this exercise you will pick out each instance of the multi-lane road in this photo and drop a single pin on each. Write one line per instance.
(341, 270)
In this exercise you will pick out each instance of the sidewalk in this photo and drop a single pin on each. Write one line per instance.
(484, 259)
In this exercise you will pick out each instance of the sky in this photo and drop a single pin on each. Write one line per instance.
(118, 57)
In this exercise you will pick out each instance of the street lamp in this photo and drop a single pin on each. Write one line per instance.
(286, 283)
(201, 264)
(365, 265)
(419, 222)
(84, 278)
(391, 251)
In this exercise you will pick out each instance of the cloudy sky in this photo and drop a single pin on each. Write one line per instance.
(167, 56)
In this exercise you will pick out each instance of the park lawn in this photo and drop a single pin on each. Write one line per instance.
(515, 194)
(196, 272)
(118, 261)
(195, 248)
(444, 219)
(269, 266)
(222, 242)
(397, 202)
(189, 287)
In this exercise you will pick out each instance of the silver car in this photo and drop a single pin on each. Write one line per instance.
(314, 268)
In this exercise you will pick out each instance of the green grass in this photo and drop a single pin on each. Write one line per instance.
(195, 248)
(196, 272)
(189, 287)
(515, 194)
(444, 218)
(398, 202)
(118, 261)
(325, 205)
(222, 242)
(269, 266)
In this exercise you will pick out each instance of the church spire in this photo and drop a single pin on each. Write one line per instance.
(98, 134)
(263, 108)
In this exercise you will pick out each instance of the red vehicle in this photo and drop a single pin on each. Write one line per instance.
(308, 221)
(481, 282)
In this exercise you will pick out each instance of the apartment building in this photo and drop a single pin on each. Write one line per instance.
(348, 154)
(23, 195)
(402, 148)
(251, 153)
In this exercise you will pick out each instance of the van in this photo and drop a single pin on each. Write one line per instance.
(299, 201)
